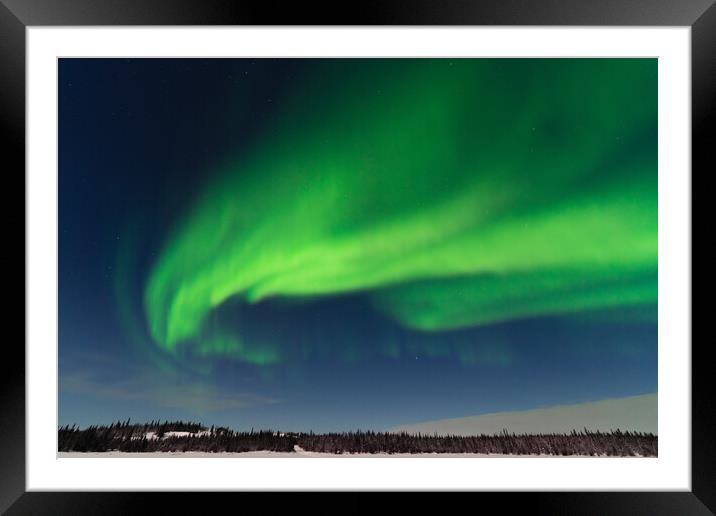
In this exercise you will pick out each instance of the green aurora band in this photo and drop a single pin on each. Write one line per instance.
(452, 193)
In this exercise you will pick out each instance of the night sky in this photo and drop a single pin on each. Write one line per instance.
(335, 244)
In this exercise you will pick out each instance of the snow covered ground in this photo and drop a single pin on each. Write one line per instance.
(153, 435)
(298, 455)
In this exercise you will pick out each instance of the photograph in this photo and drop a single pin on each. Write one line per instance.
(439, 247)
(281, 257)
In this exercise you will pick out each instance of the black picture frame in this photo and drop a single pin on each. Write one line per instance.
(700, 15)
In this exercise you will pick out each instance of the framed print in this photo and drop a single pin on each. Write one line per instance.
(445, 248)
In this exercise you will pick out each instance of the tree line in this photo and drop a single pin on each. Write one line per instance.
(157, 436)
(583, 443)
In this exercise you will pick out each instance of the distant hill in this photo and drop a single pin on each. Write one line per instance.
(634, 413)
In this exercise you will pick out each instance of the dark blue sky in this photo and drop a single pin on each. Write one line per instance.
(137, 140)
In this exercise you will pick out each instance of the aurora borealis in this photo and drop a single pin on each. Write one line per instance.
(276, 221)
(429, 182)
